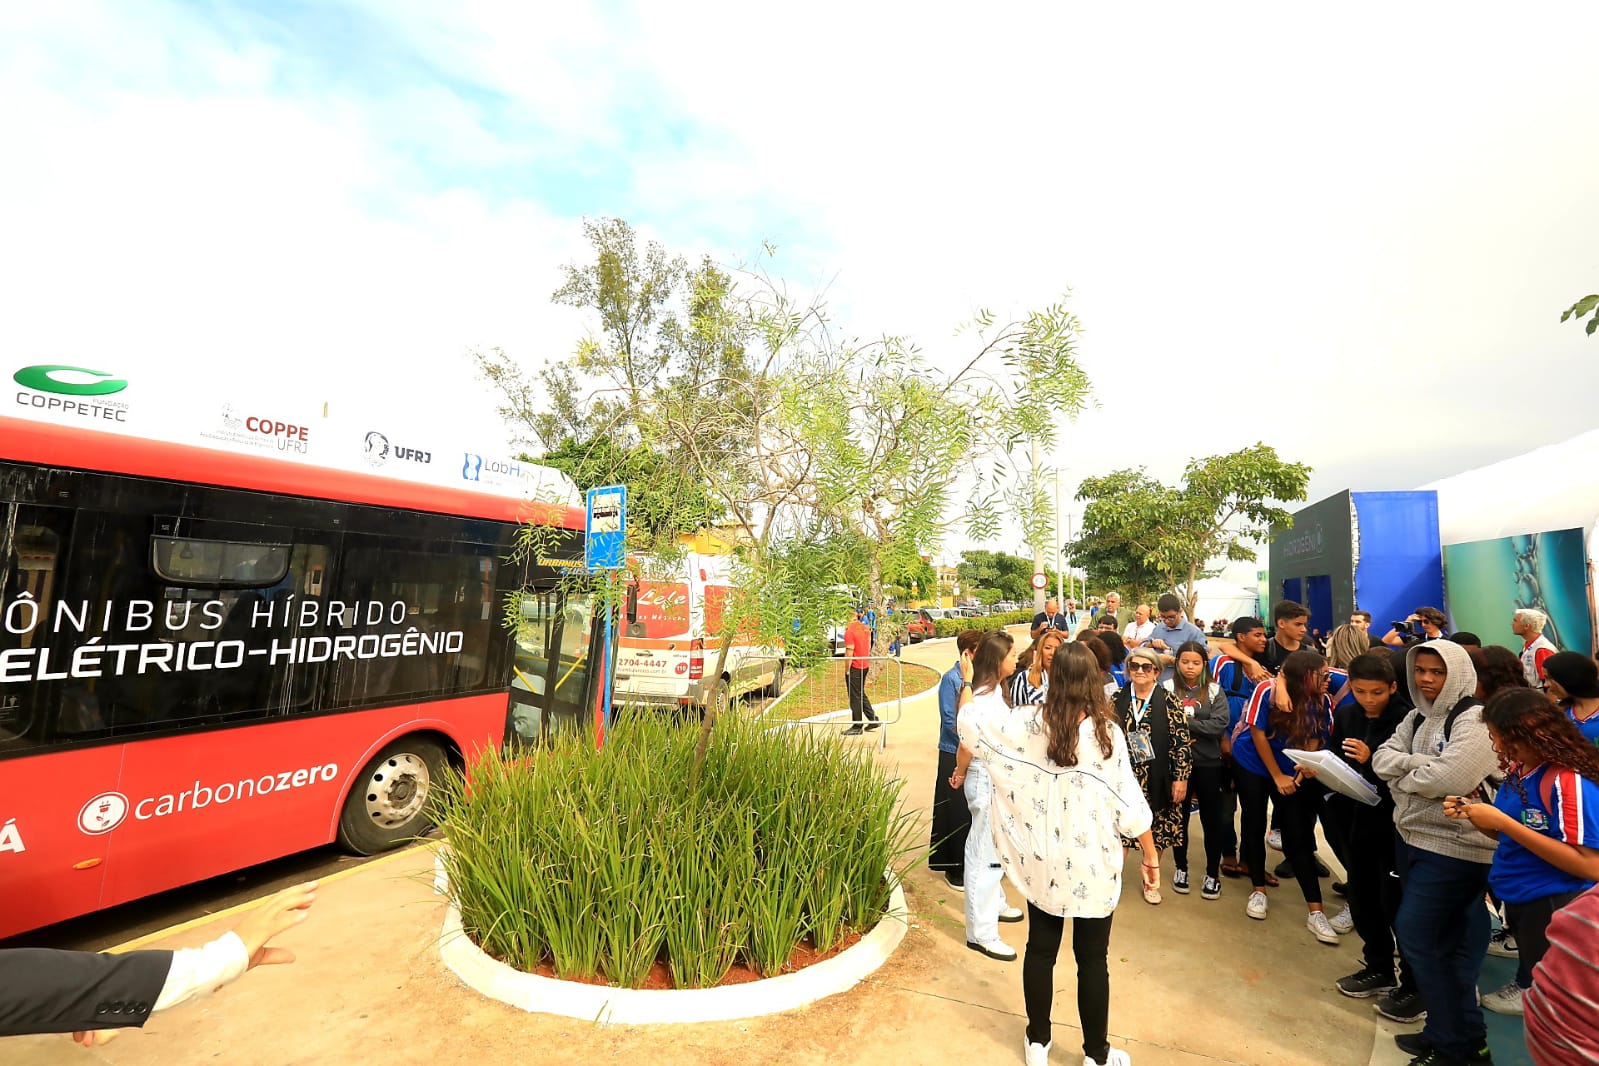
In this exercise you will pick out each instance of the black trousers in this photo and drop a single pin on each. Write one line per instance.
(1090, 945)
(1206, 785)
(951, 821)
(1529, 923)
(1374, 890)
(1298, 818)
(860, 706)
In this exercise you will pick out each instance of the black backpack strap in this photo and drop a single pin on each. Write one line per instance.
(1455, 712)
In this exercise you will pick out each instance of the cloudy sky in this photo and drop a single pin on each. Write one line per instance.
(1348, 231)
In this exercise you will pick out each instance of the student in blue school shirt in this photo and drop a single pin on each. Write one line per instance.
(1546, 819)
(1249, 634)
(1572, 680)
(1263, 770)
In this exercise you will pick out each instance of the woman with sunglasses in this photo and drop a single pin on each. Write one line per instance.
(1158, 744)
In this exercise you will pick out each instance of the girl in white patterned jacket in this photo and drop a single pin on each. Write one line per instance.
(1064, 796)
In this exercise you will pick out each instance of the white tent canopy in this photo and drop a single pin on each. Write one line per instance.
(1548, 488)
(1220, 598)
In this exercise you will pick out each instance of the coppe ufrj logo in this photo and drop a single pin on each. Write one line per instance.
(45, 378)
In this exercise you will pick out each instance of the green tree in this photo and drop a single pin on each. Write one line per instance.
(795, 435)
(1149, 537)
(659, 504)
(1582, 307)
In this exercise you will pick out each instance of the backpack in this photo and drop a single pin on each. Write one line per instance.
(1487, 787)
(1449, 720)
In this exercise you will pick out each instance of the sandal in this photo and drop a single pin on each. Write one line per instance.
(1151, 889)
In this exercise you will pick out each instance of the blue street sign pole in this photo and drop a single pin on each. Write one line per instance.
(605, 548)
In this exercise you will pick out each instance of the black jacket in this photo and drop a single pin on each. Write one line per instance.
(1350, 722)
(47, 991)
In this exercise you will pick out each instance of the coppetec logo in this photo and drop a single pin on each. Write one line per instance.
(71, 390)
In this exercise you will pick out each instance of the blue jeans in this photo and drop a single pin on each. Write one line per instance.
(1443, 933)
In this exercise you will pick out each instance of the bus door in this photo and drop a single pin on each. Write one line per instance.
(56, 809)
(554, 673)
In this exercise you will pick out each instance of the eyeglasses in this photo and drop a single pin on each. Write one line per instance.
(1140, 668)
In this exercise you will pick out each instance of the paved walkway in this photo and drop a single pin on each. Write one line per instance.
(1193, 983)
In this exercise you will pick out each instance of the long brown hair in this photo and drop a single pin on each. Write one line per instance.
(1048, 636)
(1076, 691)
(1528, 719)
(990, 656)
(1300, 722)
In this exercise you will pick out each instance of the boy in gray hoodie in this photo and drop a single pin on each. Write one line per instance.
(1441, 750)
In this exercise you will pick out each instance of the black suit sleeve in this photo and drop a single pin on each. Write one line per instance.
(48, 991)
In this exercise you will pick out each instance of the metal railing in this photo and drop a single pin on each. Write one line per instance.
(824, 688)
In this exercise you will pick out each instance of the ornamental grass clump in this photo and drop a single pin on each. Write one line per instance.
(602, 863)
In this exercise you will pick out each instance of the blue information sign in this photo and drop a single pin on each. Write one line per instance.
(605, 547)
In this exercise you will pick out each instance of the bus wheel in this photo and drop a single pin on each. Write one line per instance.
(722, 696)
(387, 805)
(776, 688)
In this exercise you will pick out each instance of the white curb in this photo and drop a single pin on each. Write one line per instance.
(635, 1006)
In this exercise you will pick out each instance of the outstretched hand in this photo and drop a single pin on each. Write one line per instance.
(277, 915)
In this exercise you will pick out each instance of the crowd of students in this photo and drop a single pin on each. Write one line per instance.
(1477, 769)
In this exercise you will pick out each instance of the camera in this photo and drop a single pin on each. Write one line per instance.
(1406, 629)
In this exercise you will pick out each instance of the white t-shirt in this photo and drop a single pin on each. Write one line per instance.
(1136, 634)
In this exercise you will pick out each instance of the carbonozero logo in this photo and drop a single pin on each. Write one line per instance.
(43, 379)
(106, 811)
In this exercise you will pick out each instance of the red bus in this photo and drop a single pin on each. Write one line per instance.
(209, 660)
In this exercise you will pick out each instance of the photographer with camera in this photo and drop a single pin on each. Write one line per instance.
(1427, 623)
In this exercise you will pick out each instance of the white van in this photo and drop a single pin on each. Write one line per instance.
(671, 630)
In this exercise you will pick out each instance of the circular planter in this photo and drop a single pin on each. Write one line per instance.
(636, 1006)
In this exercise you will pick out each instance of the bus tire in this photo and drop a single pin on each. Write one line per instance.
(388, 804)
(775, 689)
(722, 695)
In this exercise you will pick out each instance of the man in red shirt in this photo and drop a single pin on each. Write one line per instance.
(1528, 624)
(858, 647)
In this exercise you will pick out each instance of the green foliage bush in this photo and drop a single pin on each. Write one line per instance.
(603, 862)
(954, 627)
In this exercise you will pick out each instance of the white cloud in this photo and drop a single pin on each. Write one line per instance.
(1349, 234)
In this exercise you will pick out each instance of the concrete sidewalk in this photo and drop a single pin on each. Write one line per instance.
(1193, 982)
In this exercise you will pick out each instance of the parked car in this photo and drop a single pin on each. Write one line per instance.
(920, 626)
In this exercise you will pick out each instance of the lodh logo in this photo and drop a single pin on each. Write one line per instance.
(472, 469)
(46, 378)
(103, 813)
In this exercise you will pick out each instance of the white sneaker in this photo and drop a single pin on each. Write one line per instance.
(1011, 914)
(1274, 840)
(1036, 1054)
(994, 949)
(1321, 928)
(1343, 922)
(1117, 1057)
(1503, 945)
(1505, 1001)
(1256, 907)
